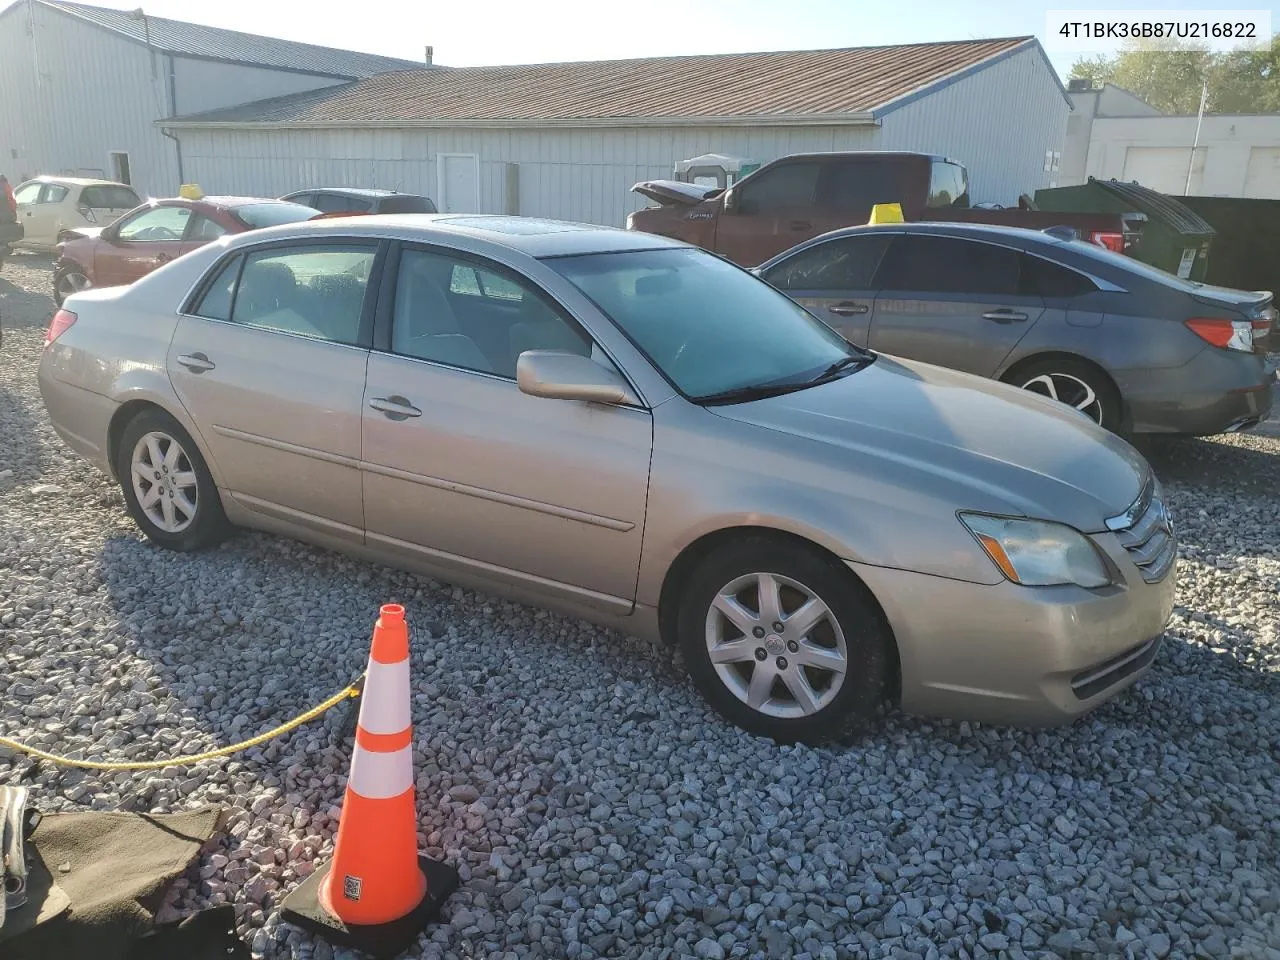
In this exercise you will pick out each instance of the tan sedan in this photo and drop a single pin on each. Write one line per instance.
(640, 433)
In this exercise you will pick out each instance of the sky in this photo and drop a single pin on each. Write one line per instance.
(480, 32)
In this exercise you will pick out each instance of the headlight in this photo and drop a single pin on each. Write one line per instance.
(1036, 553)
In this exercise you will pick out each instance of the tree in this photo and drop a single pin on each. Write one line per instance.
(1241, 81)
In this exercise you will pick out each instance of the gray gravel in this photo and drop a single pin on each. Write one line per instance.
(593, 804)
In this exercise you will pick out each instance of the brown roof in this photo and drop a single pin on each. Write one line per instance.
(840, 83)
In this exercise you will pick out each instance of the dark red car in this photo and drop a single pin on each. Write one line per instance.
(151, 235)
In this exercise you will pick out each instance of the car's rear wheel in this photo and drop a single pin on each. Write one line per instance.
(69, 280)
(1077, 384)
(782, 641)
(167, 485)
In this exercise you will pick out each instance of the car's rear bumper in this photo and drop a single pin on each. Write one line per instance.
(1216, 393)
(81, 417)
(1033, 656)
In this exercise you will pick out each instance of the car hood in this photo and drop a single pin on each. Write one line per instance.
(675, 192)
(982, 445)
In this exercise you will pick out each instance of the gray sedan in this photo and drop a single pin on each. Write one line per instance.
(1136, 349)
(634, 431)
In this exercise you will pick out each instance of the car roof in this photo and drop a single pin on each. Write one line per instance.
(355, 192)
(976, 231)
(528, 235)
(77, 182)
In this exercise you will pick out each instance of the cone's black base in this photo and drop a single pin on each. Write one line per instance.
(302, 908)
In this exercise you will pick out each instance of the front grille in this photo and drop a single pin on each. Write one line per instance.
(1099, 677)
(1146, 531)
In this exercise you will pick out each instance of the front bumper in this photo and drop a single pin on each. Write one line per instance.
(1027, 656)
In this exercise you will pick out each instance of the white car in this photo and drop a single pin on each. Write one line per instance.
(49, 205)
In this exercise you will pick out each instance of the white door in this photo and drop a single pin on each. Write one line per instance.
(1262, 179)
(458, 182)
(1165, 168)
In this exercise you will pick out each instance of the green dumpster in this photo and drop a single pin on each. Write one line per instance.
(1174, 238)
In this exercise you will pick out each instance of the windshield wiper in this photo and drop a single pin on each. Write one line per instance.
(855, 360)
(755, 391)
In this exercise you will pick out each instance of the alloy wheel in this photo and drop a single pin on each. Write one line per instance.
(73, 282)
(776, 645)
(1068, 389)
(164, 481)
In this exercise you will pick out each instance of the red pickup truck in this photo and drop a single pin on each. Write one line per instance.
(804, 195)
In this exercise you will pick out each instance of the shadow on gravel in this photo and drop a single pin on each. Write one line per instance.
(1221, 464)
(21, 308)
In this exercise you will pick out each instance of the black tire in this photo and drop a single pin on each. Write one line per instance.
(1107, 410)
(61, 278)
(860, 694)
(209, 524)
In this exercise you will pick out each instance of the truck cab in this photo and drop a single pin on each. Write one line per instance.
(798, 197)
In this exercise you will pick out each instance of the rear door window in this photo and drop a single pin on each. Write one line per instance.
(109, 198)
(949, 265)
(316, 290)
(1042, 278)
(848, 263)
(854, 187)
(202, 229)
(53, 193)
(339, 203)
(406, 203)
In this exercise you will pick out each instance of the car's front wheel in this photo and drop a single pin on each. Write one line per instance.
(782, 641)
(167, 485)
(68, 280)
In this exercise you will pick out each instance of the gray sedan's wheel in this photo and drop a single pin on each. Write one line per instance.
(166, 484)
(69, 281)
(1074, 383)
(782, 641)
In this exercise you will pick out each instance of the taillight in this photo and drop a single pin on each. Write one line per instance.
(1112, 241)
(86, 212)
(60, 324)
(1227, 334)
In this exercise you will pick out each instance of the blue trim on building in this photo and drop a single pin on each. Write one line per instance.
(969, 71)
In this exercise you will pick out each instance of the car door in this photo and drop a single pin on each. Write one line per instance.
(270, 364)
(463, 468)
(951, 301)
(41, 215)
(26, 198)
(832, 279)
(140, 243)
(768, 212)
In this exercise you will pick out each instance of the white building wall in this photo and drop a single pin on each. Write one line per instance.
(1237, 156)
(998, 121)
(573, 174)
(71, 93)
(201, 85)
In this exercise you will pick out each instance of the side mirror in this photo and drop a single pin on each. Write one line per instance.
(567, 376)
(110, 234)
(731, 200)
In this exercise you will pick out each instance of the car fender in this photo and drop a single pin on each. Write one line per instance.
(152, 387)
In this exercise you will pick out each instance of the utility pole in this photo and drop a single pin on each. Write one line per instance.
(1195, 144)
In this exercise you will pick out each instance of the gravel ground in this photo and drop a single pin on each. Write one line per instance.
(593, 804)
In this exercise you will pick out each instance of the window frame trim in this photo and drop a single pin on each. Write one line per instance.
(385, 317)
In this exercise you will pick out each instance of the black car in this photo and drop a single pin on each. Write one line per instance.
(357, 200)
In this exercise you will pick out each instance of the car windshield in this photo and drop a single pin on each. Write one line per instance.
(257, 215)
(715, 331)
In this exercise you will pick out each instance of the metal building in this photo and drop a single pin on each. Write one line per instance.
(569, 140)
(81, 87)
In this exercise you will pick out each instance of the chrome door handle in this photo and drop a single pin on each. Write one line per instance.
(395, 407)
(196, 362)
(1004, 316)
(847, 309)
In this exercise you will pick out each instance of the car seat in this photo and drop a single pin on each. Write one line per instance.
(267, 286)
(425, 325)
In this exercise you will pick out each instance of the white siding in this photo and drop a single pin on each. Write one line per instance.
(201, 85)
(1230, 148)
(584, 175)
(998, 122)
(71, 93)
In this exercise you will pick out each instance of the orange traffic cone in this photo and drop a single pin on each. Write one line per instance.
(378, 893)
